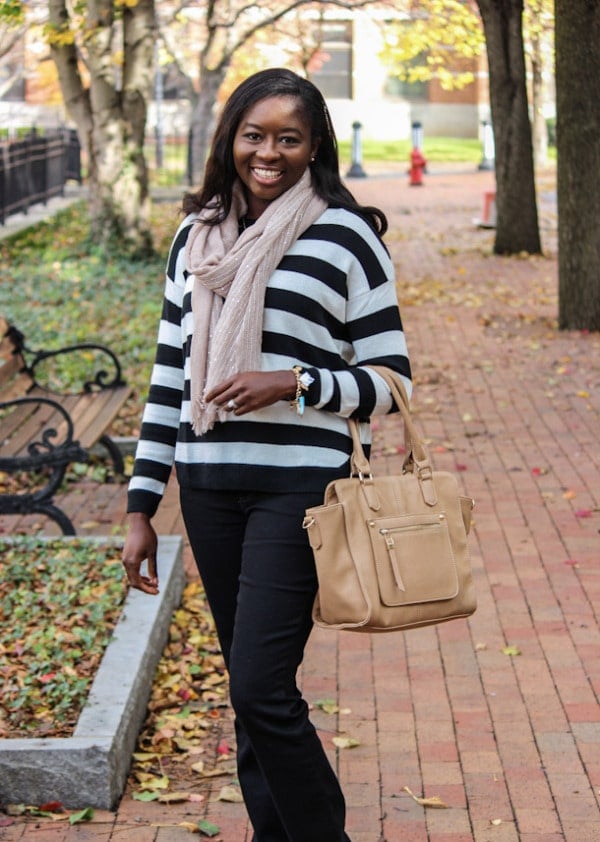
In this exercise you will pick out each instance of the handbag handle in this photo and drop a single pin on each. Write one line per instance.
(417, 458)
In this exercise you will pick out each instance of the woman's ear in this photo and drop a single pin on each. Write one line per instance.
(315, 149)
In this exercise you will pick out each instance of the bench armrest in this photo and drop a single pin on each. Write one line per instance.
(45, 450)
(99, 367)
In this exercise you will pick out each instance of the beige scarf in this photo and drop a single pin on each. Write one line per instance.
(231, 273)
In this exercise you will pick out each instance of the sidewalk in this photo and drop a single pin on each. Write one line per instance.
(497, 716)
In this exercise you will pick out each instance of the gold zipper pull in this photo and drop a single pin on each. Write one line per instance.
(391, 546)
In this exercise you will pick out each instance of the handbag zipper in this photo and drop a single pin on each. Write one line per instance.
(388, 537)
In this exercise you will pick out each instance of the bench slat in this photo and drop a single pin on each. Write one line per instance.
(26, 424)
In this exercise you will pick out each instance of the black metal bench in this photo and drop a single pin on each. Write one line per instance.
(43, 430)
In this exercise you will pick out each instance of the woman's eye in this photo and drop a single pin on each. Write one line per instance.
(252, 136)
(289, 141)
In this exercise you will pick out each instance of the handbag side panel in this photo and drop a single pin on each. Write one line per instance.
(341, 601)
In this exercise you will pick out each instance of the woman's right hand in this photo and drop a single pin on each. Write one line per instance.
(140, 545)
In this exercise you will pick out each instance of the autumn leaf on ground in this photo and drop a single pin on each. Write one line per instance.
(82, 816)
(345, 742)
(511, 650)
(208, 829)
(326, 705)
(433, 801)
(173, 797)
(145, 796)
(230, 793)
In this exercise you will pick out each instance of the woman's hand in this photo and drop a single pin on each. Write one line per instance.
(140, 544)
(251, 390)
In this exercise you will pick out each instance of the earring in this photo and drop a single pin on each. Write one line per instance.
(313, 159)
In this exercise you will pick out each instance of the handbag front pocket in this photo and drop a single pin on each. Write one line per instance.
(414, 558)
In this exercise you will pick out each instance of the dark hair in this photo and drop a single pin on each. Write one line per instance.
(220, 173)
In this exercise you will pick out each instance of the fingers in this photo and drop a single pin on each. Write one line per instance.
(146, 583)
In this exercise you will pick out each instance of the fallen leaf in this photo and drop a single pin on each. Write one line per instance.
(82, 816)
(569, 494)
(583, 393)
(345, 742)
(230, 793)
(496, 822)
(154, 782)
(511, 650)
(208, 829)
(327, 706)
(173, 797)
(145, 796)
(572, 562)
(52, 807)
(434, 801)
(583, 513)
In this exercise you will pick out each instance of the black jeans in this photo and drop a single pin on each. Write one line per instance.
(258, 572)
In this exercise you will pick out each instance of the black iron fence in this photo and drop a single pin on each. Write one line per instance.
(35, 168)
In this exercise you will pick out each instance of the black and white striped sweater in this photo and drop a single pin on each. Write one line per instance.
(331, 307)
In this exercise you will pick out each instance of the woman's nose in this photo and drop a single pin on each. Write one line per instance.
(268, 149)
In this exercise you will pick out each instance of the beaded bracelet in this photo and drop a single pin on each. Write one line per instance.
(303, 381)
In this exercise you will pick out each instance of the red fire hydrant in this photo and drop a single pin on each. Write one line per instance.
(417, 167)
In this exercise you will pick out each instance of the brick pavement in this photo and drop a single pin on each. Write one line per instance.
(511, 743)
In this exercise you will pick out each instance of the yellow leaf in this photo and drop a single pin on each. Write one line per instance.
(174, 797)
(214, 773)
(569, 494)
(583, 394)
(496, 822)
(345, 742)
(155, 783)
(511, 650)
(434, 801)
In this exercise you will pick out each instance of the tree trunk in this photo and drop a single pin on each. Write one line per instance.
(517, 228)
(111, 115)
(540, 130)
(578, 168)
(203, 119)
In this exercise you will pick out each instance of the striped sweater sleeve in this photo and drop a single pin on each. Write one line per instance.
(160, 422)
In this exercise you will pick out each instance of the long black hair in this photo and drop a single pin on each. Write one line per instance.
(220, 173)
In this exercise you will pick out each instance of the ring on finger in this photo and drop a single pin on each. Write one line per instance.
(231, 404)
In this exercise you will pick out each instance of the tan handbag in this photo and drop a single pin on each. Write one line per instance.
(391, 551)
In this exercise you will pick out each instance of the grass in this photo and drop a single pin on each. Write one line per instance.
(59, 602)
(435, 149)
(59, 291)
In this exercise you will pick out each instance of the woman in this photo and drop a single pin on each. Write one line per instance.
(278, 293)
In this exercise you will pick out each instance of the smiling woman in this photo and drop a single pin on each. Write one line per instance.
(265, 348)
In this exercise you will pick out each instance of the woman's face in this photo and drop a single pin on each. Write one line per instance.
(271, 150)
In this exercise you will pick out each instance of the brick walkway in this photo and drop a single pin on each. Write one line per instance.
(510, 742)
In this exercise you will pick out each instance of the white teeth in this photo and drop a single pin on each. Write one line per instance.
(266, 173)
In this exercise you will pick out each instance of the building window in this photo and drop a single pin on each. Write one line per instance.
(331, 69)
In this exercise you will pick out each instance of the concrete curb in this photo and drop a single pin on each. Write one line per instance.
(90, 768)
